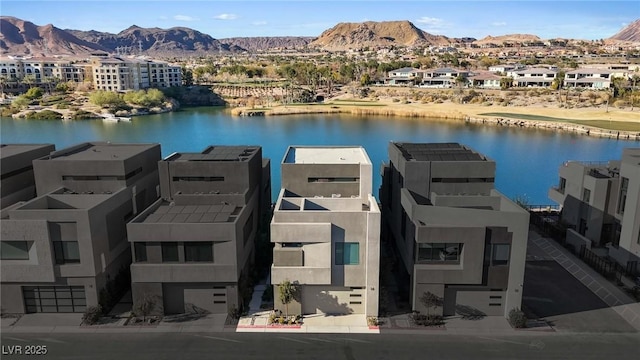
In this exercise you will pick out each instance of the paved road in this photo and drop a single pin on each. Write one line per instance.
(325, 346)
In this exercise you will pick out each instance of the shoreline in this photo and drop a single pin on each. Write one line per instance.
(452, 112)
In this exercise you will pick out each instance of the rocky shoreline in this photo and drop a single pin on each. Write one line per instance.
(444, 115)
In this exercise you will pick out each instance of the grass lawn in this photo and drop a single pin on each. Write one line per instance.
(603, 124)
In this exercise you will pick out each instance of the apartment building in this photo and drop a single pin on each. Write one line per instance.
(459, 239)
(326, 231)
(61, 248)
(106, 72)
(601, 206)
(192, 247)
(17, 182)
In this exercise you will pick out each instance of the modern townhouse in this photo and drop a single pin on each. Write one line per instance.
(193, 247)
(588, 78)
(601, 206)
(326, 231)
(459, 239)
(60, 249)
(17, 182)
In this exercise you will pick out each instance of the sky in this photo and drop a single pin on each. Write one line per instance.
(221, 19)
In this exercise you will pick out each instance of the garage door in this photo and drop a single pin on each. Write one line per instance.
(54, 299)
(332, 300)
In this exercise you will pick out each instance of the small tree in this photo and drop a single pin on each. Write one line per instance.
(429, 300)
(287, 292)
(145, 306)
(517, 318)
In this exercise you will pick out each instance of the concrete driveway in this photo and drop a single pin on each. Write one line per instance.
(550, 292)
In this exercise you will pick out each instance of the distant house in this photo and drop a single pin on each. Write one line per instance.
(404, 76)
(533, 77)
(588, 78)
(442, 77)
(485, 80)
(504, 68)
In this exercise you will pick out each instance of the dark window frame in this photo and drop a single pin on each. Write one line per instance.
(193, 253)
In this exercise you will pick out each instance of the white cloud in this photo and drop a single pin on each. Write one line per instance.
(432, 22)
(259, 23)
(184, 18)
(499, 23)
(226, 17)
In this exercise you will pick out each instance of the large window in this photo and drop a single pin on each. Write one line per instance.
(140, 249)
(170, 252)
(14, 250)
(586, 195)
(563, 185)
(198, 251)
(624, 185)
(347, 253)
(500, 254)
(439, 252)
(66, 252)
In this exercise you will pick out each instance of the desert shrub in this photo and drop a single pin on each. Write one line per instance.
(33, 93)
(45, 115)
(234, 313)
(92, 315)
(620, 103)
(106, 99)
(517, 318)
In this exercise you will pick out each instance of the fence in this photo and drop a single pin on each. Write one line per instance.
(605, 267)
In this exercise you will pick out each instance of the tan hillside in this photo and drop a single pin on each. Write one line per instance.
(630, 32)
(375, 34)
(20, 37)
(508, 37)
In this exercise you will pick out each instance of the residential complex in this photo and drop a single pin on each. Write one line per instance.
(326, 231)
(459, 239)
(61, 248)
(17, 182)
(193, 247)
(111, 73)
(601, 206)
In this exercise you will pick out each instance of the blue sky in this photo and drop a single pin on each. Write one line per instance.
(220, 19)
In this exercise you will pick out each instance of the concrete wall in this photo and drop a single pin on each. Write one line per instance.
(18, 182)
(630, 235)
(295, 178)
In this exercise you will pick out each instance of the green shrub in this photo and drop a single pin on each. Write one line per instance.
(33, 93)
(92, 315)
(44, 115)
(517, 318)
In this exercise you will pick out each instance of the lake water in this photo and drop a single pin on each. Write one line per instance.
(527, 159)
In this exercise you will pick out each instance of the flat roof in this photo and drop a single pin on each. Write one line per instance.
(7, 150)
(96, 151)
(438, 152)
(326, 155)
(168, 213)
(218, 153)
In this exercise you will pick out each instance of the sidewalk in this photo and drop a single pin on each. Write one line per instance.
(615, 298)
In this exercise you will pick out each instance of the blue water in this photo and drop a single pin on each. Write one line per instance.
(527, 159)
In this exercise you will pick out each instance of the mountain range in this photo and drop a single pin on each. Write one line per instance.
(20, 37)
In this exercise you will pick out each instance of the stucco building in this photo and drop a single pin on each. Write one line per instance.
(193, 246)
(62, 247)
(17, 182)
(326, 231)
(458, 238)
(601, 206)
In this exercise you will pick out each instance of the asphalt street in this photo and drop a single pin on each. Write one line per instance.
(322, 346)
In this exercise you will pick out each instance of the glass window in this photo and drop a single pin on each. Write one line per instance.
(140, 249)
(624, 186)
(169, 251)
(500, 254)
(439, 252)
(586, 195)
(347, 253)
(563, 185)
(66, 252)
(198, 251)
(14, 250)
